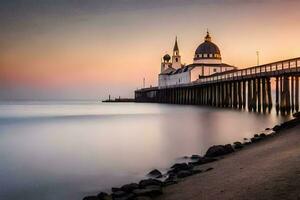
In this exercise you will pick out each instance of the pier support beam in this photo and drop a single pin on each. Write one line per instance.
(231, 95)
(277, 94)
(220, 97)
(244, 94)
(292, 94)
(297, 94)
(285, 103)
(214, 95)
(259, 94)
(287, 93)
(250, 95)
(235, 96)
(227, 92)
(264, 95)
(254, 99)
(239, 87)
(282, 96)
(269, 94)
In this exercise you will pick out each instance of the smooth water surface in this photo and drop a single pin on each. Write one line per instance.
(66, 150)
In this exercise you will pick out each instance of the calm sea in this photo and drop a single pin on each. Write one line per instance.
(66, 150)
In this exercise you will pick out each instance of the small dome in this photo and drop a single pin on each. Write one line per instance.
(208, 48)
(167, 57)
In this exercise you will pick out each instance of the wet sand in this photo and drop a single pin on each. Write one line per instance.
(269, 169)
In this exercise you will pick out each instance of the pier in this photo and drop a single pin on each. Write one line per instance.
(249, 88)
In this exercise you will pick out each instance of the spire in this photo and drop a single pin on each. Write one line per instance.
(176, 45)
(207, 37)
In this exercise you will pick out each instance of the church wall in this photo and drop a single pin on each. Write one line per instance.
(195, 72)
(175, 79)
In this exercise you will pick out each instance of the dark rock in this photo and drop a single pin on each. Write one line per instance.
(201, 161)
(155, 173)
(147, 182)
(209, 160)
(179, 167)
(208, 169)
(190, 165)
(169, 181)
(214, 151)
(256, 135)
(195, 157)
(172, 175)
(246, 143)
(171, 178)
(267, 129)
(196, 163)
(90, 198)
(262, 135)
(229, 148)
(184, 173)
(219, 150)
(109, 197)
(115, 189)
(150, 190)
(238, 145)
(118, 194)
(130, 187)
(127, 196)
(103, 196)
(255, 139)
(276, 128)
(296, 115)
(245, 138)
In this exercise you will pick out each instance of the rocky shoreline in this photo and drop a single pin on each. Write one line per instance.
(153, 186)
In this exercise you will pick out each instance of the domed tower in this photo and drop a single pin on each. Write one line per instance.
(176, 58)
(165, 62)
(207, 52)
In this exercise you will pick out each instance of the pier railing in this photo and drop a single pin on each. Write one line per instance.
(271, 69)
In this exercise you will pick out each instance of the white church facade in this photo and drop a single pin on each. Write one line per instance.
(207, 61)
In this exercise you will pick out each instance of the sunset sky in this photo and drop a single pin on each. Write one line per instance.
(87, 49)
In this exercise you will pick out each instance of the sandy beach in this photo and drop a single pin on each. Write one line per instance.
(269, 169)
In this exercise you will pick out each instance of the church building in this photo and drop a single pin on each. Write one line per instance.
(207, 61)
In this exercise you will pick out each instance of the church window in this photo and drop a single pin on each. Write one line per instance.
(215, 70)
(176, 59)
